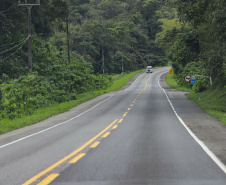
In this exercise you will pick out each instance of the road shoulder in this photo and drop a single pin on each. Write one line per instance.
(210, 131)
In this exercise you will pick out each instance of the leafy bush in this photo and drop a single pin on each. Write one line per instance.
(193, 68)
(59, 83)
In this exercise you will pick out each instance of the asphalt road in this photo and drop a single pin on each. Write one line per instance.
(128, 137)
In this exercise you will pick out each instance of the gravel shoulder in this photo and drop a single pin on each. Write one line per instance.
(210, 131)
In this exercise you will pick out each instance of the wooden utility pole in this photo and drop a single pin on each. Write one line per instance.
(29, 6)
(68, 42)
(102, 48)
(29, 41)
(122, 61)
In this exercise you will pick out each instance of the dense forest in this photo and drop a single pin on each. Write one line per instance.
(76, 44)
(103, 33)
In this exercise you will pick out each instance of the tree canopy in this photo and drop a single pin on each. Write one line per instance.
(103, 32)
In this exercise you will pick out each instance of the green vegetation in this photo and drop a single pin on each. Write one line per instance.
(114, 36)
(193, 39)
(212, 101)
(22, 96)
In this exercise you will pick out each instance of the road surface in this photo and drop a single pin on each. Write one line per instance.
(133, 136)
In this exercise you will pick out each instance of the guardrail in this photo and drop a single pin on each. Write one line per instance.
(211, 83)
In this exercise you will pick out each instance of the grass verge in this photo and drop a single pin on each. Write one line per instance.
(212, 101)
(8, 125)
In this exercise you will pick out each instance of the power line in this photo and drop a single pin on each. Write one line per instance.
(3, 45)
(15, 51)
(14, 46)
(10, 8)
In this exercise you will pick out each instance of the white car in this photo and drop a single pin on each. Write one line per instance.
(149, 69)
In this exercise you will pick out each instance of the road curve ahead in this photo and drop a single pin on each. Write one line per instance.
(132, 138)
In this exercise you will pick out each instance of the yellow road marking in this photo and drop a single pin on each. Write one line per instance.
(114, 127)
(120, 121)
(106, 134)
(48, 179)
(135, 99)
(147, 82)
(94, 145)
(68, 157)
(131, 105)
(124, 114)
(128, 108)
(79, 156)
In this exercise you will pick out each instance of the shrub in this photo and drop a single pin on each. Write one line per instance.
(59, 84)
(193, 68)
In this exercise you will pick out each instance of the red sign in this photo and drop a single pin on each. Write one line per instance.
(187, 78)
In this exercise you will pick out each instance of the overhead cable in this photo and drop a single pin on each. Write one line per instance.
(14, 46)
(15, 51)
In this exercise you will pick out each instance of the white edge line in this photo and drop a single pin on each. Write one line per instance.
(23, 138)
(204, 147)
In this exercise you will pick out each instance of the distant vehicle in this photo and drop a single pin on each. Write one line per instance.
(149, 69)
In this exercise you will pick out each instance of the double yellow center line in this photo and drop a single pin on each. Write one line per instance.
(67, 157)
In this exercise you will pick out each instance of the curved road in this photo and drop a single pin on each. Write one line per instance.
(131, 137)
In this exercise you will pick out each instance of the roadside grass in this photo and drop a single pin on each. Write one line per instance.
(7, 125)
(212, 101)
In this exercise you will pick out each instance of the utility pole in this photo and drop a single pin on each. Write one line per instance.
(68, 42)
(67, 32)
(29, 6)
(122, 61)
(102, 48)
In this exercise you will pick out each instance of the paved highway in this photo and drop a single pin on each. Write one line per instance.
(131, 137)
